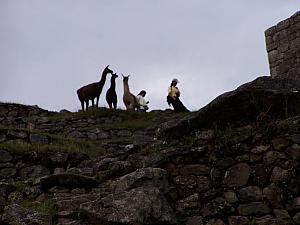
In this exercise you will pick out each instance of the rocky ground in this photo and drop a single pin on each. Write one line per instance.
(114, 167)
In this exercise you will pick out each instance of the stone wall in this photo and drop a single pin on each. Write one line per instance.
(283, 47)
(246, 175)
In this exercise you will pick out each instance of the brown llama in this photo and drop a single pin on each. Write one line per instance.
(93, 90)
(129, 99)
(111, 95)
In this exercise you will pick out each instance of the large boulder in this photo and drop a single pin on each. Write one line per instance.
(279, 98)
(140, 206)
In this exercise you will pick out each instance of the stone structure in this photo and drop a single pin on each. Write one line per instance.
(283, 47)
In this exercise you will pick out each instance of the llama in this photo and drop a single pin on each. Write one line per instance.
(129, 99)
(93, 90)
(111, 95)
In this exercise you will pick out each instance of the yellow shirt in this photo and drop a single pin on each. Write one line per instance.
(173, 91)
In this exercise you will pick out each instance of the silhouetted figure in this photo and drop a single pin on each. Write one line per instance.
(92, 91)
(111, 95)
(173, 97)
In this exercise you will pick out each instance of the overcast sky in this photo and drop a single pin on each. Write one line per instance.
(50, 48)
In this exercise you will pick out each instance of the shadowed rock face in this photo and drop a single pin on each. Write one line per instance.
(278, 98)
(67, 180)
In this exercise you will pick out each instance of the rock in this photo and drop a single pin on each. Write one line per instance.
(237, 175)
(58, 159)
(282, 217)
(272, 157)
(11, 134)
(253, 208)
(205, 135)
(124, 133)
(91, 136)
(85, 171)
(215, 222)
(2, 138)
(225, 163)
(7, 172)
(15, 214)
(146, 177)
(241, 106)
(15, 197)
(265, 220)
(75, 158)
(296, 203)
(215, 207)
(6, 189)
(280, 143)
(195, 220)
(190, 202)
(260, 175)
(75, 135)
(119, 168)
(189, 182)
(238, 220)
(250, 194)
(203, 183)
(275, 196)
(38, 139)
(260, 149)
(230, 197)
(195, 169)
(70, 203)
(280, 175)
(296, 218)
(294, 151)
(140, 206)
(68, 180)
(35, 171)
(5, 156)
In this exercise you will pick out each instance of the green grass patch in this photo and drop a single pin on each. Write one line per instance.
(92, 149)
(47, 206)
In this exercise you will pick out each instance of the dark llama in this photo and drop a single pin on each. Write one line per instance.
(93, 90)
(111, 95)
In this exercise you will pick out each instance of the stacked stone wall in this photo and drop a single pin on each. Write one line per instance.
(283, 47)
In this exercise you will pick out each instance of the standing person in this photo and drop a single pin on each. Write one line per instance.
(173, 97)
(142, 102)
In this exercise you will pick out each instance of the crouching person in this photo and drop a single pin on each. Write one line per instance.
(143, 107)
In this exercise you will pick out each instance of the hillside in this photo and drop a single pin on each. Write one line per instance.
(114, 167)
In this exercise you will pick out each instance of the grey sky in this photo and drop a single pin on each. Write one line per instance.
(50, 48)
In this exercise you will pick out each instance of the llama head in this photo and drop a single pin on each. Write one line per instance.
(107, 70)
(125, 78)
(114, 75)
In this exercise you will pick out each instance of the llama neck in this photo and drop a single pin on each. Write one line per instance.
(126, 87)
(103, 79)
(113, 83)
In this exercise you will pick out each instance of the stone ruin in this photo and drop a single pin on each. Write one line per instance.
(283, 47)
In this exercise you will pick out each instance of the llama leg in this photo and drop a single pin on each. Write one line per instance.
(93, 104)
(82, 105)
(87, 104)
(110, 104)
(97, 101)
(115, 105)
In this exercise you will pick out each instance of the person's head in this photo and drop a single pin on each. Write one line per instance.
(142, 93)
(174, 82)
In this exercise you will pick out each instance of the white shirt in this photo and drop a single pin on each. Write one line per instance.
(141, 101)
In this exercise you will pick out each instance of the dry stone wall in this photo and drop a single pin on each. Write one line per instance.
(283, 47)
(224, 177)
